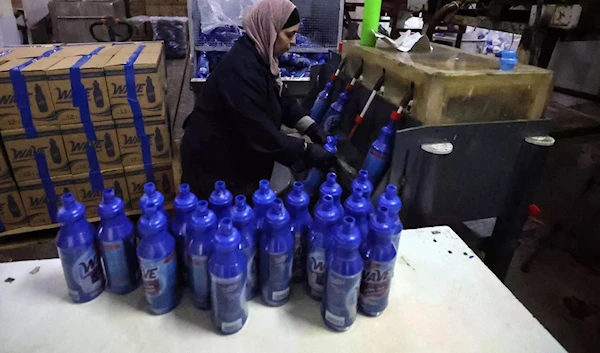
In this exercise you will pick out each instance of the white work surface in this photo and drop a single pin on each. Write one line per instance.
(439, 302)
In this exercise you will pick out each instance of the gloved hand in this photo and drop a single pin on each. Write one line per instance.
(319, 157)
(316, 134)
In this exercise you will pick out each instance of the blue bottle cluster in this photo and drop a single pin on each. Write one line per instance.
(345, 256)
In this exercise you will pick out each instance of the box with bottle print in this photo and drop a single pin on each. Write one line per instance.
(90, 77)
(12, 212)
(90, 197)
(106, 146)
(149, 77)
(45, 150)
(37, 108)
(163, 178)
(39, 206)
(130, 144)
(5, 172)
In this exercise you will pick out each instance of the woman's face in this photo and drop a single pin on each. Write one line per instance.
(285, 38)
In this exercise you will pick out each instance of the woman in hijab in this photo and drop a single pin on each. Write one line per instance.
(234, 134)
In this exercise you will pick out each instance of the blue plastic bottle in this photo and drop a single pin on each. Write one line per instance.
(380, 153)
(332, 117)
(201, 230)
(359, 207)
(362, 181)
(393, 203)
(158, 260)
(203, 69)
(331, 187)
(151, 195)
(77, 251)
(297, 204)
(276, 255)
(326, 220)
(508, 60)
(262, 199)
(220, 200)
(344, 273)
(320, 105)
(243, 220)
(116, 240)
(315, 176)
(379, 256)
(185, 203)
(228, 280)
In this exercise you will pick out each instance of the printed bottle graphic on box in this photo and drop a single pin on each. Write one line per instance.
(97, 93)
(14, 209)
(55, 152)
(150, 90)
(158, 140)
(118, 190)
(166, 184)
(40, 99)
(110, 147)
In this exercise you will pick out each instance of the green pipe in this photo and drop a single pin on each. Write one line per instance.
(371, 14)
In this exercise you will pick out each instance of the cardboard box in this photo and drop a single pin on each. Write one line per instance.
(90, 197)
(40, 101)
(23, 52)
(165, 10)
(22, 151)
(78, 49)
(148, 79)
(130, 144)
(12, 212)
(163, 178)
(152, 10)
(5, 173)
(92, 78)
(106, 146)
(180, 10)
(36, 200)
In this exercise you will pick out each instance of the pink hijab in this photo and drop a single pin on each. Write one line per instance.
(263, 23)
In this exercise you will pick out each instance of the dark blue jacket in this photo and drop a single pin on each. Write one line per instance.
(234, 134)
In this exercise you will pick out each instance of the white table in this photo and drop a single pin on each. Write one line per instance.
(440, 302)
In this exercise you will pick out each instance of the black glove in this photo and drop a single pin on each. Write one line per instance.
(316, 155)
(316, 134)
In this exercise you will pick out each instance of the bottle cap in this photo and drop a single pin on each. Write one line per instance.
(362, 181)
(331, 187)
(185, 200)
(152, 221)
(331, 144)
(220, 196)
(381, 222)
(264, 195)
(357, 203)
(227, 237)
(348, 235)
(297, 198)
(71, 210)
(202, 218)
(151, 195)
(277, 214)
(110, 205)
(241, 211)
(326, 210)
(390, 199)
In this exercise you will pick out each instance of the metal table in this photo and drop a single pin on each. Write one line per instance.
(443, 299)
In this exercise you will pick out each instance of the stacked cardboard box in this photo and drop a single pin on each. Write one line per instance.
(78, 132)
(166, 8)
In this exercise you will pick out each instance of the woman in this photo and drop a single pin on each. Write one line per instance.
(234, 134)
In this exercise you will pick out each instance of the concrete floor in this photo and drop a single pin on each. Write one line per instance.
(562, 287)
